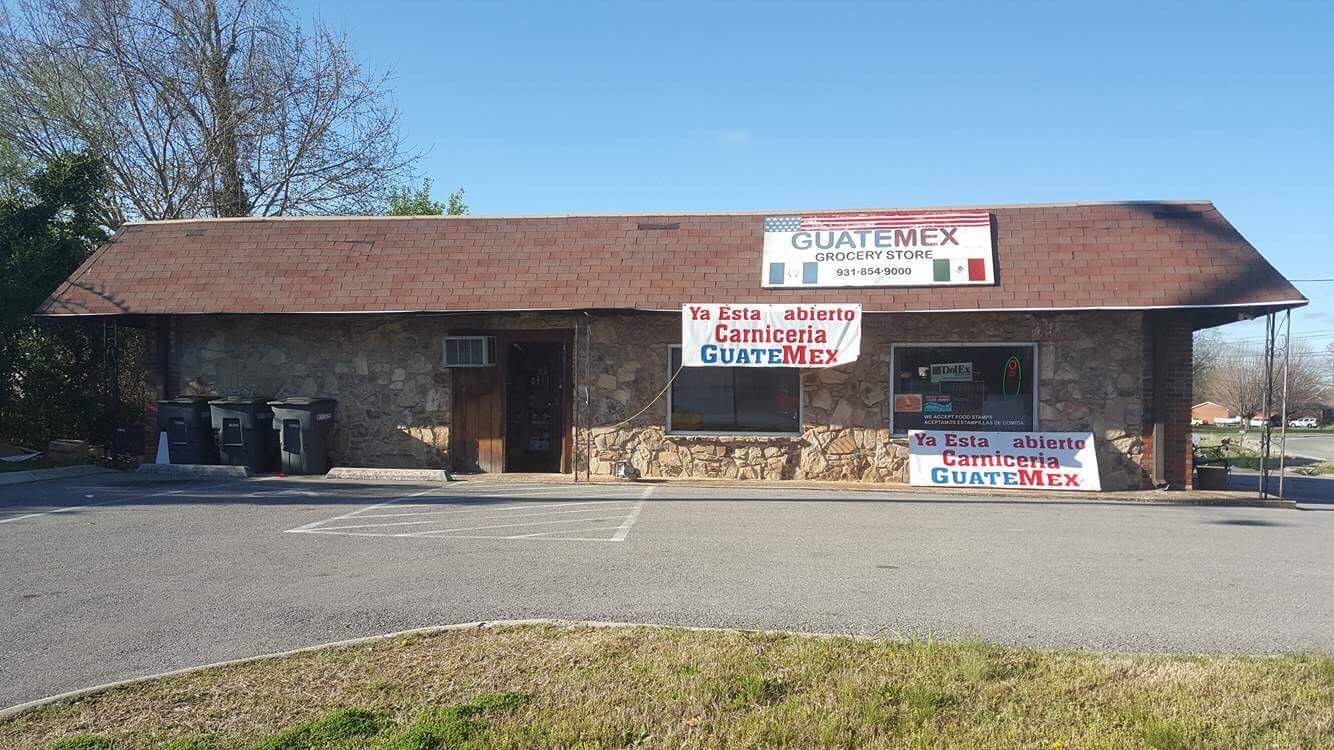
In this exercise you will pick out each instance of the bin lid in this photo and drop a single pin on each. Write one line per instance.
(302, 401)
(187, 400)
(240, 401)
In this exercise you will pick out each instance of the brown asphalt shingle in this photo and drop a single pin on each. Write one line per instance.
(1121, 255)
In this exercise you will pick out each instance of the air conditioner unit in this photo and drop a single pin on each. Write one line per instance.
(469, 351)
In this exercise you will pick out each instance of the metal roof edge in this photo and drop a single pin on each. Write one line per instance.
(1283, 304)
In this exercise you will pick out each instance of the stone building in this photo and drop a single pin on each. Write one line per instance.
(548, 343)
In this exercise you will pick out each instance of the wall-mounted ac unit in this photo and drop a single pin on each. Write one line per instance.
(469, 351)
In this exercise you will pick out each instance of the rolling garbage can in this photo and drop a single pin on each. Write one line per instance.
(305, 433)
(244, 430)
(186, 420)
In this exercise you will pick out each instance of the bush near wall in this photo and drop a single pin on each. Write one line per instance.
(55, 375)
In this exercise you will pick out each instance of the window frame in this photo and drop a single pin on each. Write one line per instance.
(1036, 380)
(488, 351)
(801, 410)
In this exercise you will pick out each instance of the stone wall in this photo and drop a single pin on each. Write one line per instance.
(394, 398)
(1090, 369)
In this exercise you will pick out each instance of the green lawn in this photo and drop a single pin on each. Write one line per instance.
(1249, 458)
(557, 687)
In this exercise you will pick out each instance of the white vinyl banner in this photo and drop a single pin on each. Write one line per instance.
(741, 335)
(885, 248)
(1015, 460)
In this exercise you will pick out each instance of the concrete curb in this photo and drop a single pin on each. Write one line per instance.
(42, 475)
(352, 473)
(11, 711)
(196, 470)
(1228, 498)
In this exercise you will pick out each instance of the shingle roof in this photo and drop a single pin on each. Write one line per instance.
(1062, 256)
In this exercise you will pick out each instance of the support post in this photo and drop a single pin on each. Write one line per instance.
(1267, 361)
(1283, 403)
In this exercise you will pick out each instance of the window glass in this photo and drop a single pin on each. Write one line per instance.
(734, 399)
(988, 388)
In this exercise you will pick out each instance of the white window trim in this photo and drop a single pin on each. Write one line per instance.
(801, 411)
(1037, 370)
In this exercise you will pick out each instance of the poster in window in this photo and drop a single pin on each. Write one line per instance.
(964, 387)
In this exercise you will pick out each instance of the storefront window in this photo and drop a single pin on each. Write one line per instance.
(984, 387)
(734, 400)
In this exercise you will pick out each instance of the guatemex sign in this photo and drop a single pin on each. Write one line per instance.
(759, 335)
(885, 248)
(1020, 460)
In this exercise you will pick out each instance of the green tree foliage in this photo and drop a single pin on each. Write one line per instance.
(407, 201)
(48, 226)
(52, 375)
(456, 206)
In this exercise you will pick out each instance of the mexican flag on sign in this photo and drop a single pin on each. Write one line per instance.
(947, 270)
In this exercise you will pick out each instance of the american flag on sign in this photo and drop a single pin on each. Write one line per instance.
(878, 220)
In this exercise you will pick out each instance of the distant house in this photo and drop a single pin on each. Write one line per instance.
(1208, 412)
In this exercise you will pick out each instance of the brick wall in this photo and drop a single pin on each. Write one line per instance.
(1167, 388)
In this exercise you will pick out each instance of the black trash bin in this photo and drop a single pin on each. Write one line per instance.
(186, 420)
(305, 433)
(244, 430)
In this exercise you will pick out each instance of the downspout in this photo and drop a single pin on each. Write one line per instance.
(164, 355)
(1158, 404)
(588, 400)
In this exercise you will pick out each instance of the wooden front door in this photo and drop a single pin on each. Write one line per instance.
(478, 439)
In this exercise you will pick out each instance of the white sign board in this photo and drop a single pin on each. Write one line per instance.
(953, 372)
(1014, 460)
(889, 248)
(742, 335)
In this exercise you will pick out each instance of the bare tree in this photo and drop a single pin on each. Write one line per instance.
(201, 107)
(1207, 356)
(1238, 382)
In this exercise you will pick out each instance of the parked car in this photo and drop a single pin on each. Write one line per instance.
(1227, 422)
(1309, 422)
(1196, 422)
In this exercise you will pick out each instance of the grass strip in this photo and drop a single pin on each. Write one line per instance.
(552, 686)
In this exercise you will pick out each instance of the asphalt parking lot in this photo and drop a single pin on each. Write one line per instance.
(119, 575)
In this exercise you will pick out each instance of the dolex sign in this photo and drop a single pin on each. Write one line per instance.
(1019, 460)
(885, 248)
(741, 335)
(957, 372)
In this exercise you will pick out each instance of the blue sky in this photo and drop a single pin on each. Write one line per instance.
(571, 107)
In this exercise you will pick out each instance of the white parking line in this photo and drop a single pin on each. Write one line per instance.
(121, 499)
(56, 510)
(624, 528)
(353, 513)
(475, 518)
(534, 492)
(567, 531)
(503, 526)
(479, 510)
(616, 514)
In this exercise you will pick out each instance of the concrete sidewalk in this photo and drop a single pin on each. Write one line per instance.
(41, 475)
(1232, 497)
